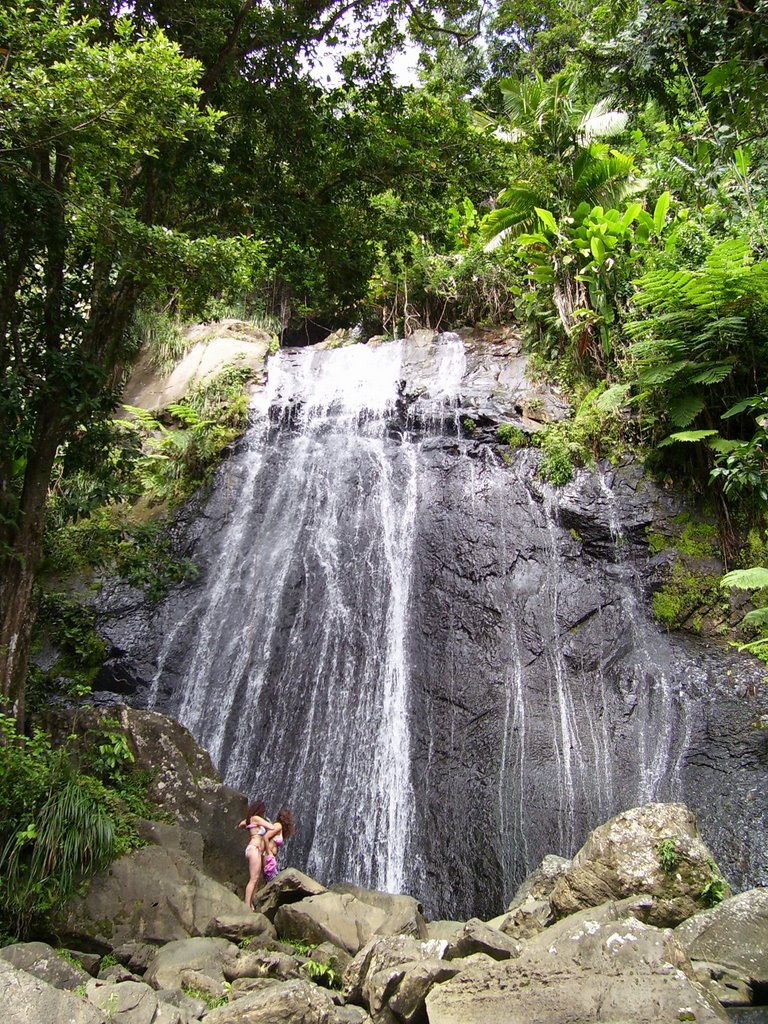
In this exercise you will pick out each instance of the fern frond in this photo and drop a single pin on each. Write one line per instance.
(713, 374)
(685, 409)
(754, 578)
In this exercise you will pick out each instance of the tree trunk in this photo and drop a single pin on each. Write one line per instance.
(19, 564)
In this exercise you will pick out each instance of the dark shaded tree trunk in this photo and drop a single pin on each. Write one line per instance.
(19, 562)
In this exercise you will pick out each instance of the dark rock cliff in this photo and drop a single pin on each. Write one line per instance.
(447, 668)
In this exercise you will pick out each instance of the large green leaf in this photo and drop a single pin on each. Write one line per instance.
(548, 222)
(757, 617)
(660, 211)
(754, 578)
(685, 409)
(688, 436)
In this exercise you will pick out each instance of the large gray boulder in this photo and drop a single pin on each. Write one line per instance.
(262, 963)
(733, 934)
(404, 913)
(614, 973)
(124, 1002)
(208, 349)
(478, 937)
(42, 960)
(289, 1002)
(206, 956)
(26, 999)
(330, 917)
(381, 961)
(152, 895)
(237, 927)
(624, 858)
(408, 1002)
(290, 886)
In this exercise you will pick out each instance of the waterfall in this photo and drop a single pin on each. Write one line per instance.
(297, 677)
(399, 631)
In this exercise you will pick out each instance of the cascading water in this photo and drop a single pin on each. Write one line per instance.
(408, 640)
(297, 677)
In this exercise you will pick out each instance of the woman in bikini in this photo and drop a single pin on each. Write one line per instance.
(257, 827)
(274, 838)
(265, 839)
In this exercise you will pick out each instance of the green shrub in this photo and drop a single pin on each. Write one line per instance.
(556, 466)
(509, 434)
(59, 824)
(666, 851)
(713, 890)
(684, 593)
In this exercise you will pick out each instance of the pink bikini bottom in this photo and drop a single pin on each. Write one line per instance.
(269, 866)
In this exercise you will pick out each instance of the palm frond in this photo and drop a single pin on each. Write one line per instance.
(601, 123)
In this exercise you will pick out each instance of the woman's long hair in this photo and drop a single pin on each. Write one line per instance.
(258, 807)
(285, 818)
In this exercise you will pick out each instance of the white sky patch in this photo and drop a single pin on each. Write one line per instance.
(323, 62)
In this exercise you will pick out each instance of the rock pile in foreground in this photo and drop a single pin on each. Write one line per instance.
(619, 934)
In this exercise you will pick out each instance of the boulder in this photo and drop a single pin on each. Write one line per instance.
(733, 934)
(179, 901)
(26, 999)
(330, 917)
(209, 348)
(728, 988)
(624, 857)
(525, 920)
(351, 1015)
(261, 963)
(613, 973)
(586, 921)
(124, 1002)
(237, 927)
(247, 986)
(331, 956)
(90, 962)
(136, 956)
(202, 983)
(289, 1002)
(189, 1006)
(443, 929)
(408, 1002)
(539, 884)
(404, 913)
(168, 1014)
(289, 886)
(478, 937)
(208, 956)
(42, 960)
(385, 953)
(116, 972)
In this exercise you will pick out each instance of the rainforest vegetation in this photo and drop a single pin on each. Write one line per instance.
(595, 172)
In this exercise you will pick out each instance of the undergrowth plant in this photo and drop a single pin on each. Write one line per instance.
(666, 851)
(66, 812)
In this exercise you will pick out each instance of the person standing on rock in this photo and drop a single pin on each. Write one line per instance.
(275, 836)
(258, 827)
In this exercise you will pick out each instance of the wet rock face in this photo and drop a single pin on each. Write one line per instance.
(445, 667)
(546, 697)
